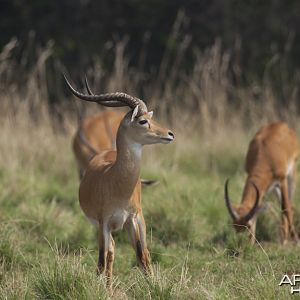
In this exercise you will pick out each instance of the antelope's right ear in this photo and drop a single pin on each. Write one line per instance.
(134, 113)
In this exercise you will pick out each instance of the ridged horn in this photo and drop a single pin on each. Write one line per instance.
(110, 99)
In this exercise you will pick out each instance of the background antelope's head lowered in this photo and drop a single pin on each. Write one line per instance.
(242, 215)
(138, 122)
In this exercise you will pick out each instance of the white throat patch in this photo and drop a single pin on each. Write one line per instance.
(136, 149)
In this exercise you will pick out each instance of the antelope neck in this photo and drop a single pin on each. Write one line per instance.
(127, 165)
(249, 193)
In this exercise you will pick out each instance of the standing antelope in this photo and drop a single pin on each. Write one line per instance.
(271, 165)
(110, 190)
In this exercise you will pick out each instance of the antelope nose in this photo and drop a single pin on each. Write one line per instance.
(171, 134)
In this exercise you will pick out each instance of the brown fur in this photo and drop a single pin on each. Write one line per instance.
(273, 150)
(100, 131)
(110, 191)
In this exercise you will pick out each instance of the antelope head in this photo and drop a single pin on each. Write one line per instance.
(143, 130)
(242, 216)
(138, 123)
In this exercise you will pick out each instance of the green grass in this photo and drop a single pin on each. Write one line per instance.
(48, 250)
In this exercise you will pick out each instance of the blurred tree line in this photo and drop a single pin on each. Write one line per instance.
(254, 32)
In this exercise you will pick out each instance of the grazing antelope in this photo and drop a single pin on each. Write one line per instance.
(96, 134)
(110, 190)
(271, 165)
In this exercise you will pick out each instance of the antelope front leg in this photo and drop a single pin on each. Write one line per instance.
(137, 237)
(252, 230)
(287, 224)
(109, 261)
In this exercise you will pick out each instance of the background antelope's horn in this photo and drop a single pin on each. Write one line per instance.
(234, 215)
(253, 210)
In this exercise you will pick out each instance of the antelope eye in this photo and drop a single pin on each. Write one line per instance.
(142, 122)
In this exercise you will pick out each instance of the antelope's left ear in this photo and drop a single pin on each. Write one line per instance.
(150, 113)
(134, 113)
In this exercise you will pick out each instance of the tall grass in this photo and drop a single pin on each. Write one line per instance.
(195, 253)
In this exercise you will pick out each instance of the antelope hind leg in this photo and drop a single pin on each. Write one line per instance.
(137, 241)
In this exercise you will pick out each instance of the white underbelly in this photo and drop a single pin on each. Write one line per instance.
(117, 220)
(272, 186)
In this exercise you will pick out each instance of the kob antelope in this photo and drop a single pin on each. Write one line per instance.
(110, 190)
(271, 165)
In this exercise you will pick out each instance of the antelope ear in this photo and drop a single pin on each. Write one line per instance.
(150, 113)
(134, 113)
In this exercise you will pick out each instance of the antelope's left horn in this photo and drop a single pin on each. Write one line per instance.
(234, 215)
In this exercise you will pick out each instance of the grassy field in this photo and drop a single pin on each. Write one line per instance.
(48, 250)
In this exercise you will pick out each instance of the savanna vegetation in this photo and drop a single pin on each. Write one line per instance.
(48, 249)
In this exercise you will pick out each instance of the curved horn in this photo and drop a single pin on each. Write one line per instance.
(253, 210)
(110, 99)
(87, 86)
(106, 99)
(112, 102)
(234, 215)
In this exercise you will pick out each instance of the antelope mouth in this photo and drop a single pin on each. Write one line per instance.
(166, 139)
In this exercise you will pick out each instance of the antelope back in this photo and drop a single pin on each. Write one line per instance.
(96, 134)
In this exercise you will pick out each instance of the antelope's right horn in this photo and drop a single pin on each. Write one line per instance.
(253, 210)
